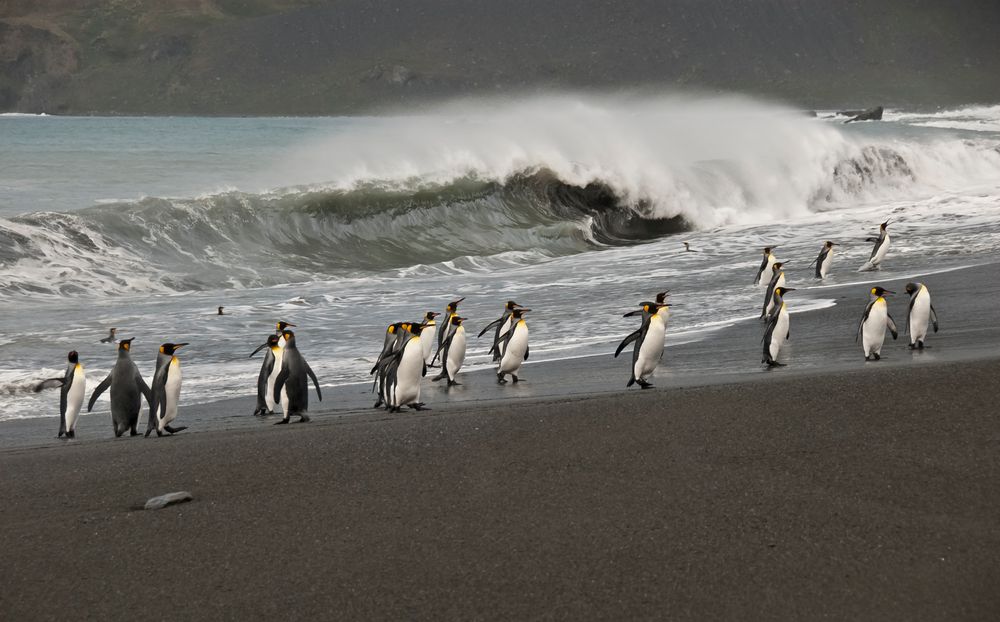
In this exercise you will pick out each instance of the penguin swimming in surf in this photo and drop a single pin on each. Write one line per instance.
(293, 381)
(648, 348)
(515, 347)
(874, 323)
(765, 264)
(446, 327)
(454, 353)
(428, 334)
(111, 336)
(127, 390)
(166, 391)
(824, 260)
(502, 325)
(777, 280)
(73, 387)
(777, 331)
(921, 313)
(688, 249)
(406, 371)
(879, 250)
(268, 374)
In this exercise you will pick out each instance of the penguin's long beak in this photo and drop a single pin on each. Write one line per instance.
(789, 289)
(259, 348)
(180, 345)
(887, 292)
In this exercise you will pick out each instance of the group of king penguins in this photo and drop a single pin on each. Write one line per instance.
(408, 350)
(876, 319)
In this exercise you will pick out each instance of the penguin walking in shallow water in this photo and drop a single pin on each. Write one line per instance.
(515, 347)
(921, 314)
(127, 390)
(648, 349)
(73, 387)
(454, 353)
(874, 323)
(777, 280)
(777, 331)
(428, 334)
(268, 374)
(166, 391)
(502, 325)
(879, 250)
(405, 372)
(293, 381)
(824, 260)
(765, 265)
(446, 327)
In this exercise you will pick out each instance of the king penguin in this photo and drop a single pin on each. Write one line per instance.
(127, 390)
(515, 347)
(427, 336)
(449, 311)
(406, 371)
(395, 337)
(879, 250)
(279, 330)
(920, 314)
(777, 331)
(166, 391)
(268, 374)
(777, 280)
(502, 325)
(293, 380)
(824, 260)
(765, 264)
(874, 322)
(73, 387)
(648, 348)
(454, 353)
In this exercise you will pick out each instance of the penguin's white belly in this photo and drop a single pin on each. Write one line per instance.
(408, 375)
(503, 331)
(427, 336)
(780, 334)
(271, 378)
(74, 398)
(456, 353)
(651, 350)
(172, 393)
(873, 331)
(882, 250)
(764, 281)
(513, 357)
(824, 268)
(920, 316)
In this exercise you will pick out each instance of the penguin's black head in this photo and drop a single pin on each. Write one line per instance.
(416, 328)
(281, 326)
(777, 265)
(73, 357)
(880, 291)
(911, 288)
(830, 244)
(430, 315)
(662, 296)
(767, 250)
(289, 337)
(125, 344)
(456, 320)
(511, 305)
(170, 348)
(453, 306)
(519, 313)
(884, 225)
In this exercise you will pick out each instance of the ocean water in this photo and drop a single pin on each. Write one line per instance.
(576, 206)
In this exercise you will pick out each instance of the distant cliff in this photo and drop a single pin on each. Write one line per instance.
(352, 56)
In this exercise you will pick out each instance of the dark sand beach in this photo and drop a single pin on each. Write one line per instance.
(828, 489)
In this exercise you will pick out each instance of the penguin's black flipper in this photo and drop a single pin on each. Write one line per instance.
(636, 312)
(493, 324)
(101, 388)
(625, 342)
(49, 383)
(279, 384)
(309, 371)
(892, 326)
(864, 317)
(527, 351)
(144, 388)
(934, 318)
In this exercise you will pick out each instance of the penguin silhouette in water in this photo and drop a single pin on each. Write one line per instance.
(648, 349)
(127, 390)
(73, 389)
(502, 325)
(268, 374)
(220, 310)
(454, 353)
(294, 380)
(166, 391)
(688, 249)
(111, 336)
(920, 314)
(874, 323)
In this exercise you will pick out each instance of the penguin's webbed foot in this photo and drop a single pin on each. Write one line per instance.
(174, 430)
(71, 434)
(643, 384)
(920, 345)
(501, 379)
(516, 379)
(452, 383)
(772, 364)
(303, 418)
(418, 406)
(148, 432)
(282, 422)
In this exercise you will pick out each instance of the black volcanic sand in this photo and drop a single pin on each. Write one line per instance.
(831, 488)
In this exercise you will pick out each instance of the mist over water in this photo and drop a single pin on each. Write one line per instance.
(344, 225)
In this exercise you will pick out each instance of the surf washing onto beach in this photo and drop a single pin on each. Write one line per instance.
(574, 205)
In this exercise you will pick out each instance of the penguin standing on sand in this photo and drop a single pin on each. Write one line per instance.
(405, 373)
(73, 388)
(268, 374)
(127, 390)
(450, 311)
(279, 330)
(395, 337)
(920, 314)
(515, 347)
(765, 264)
(777, 331)
(777, 280)
(824, 260)
(166, 391)
(502, 326)
(454, 353)
(879, 250)
(293, 381)
(648, 348)
(428, 334)
(874, 322)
